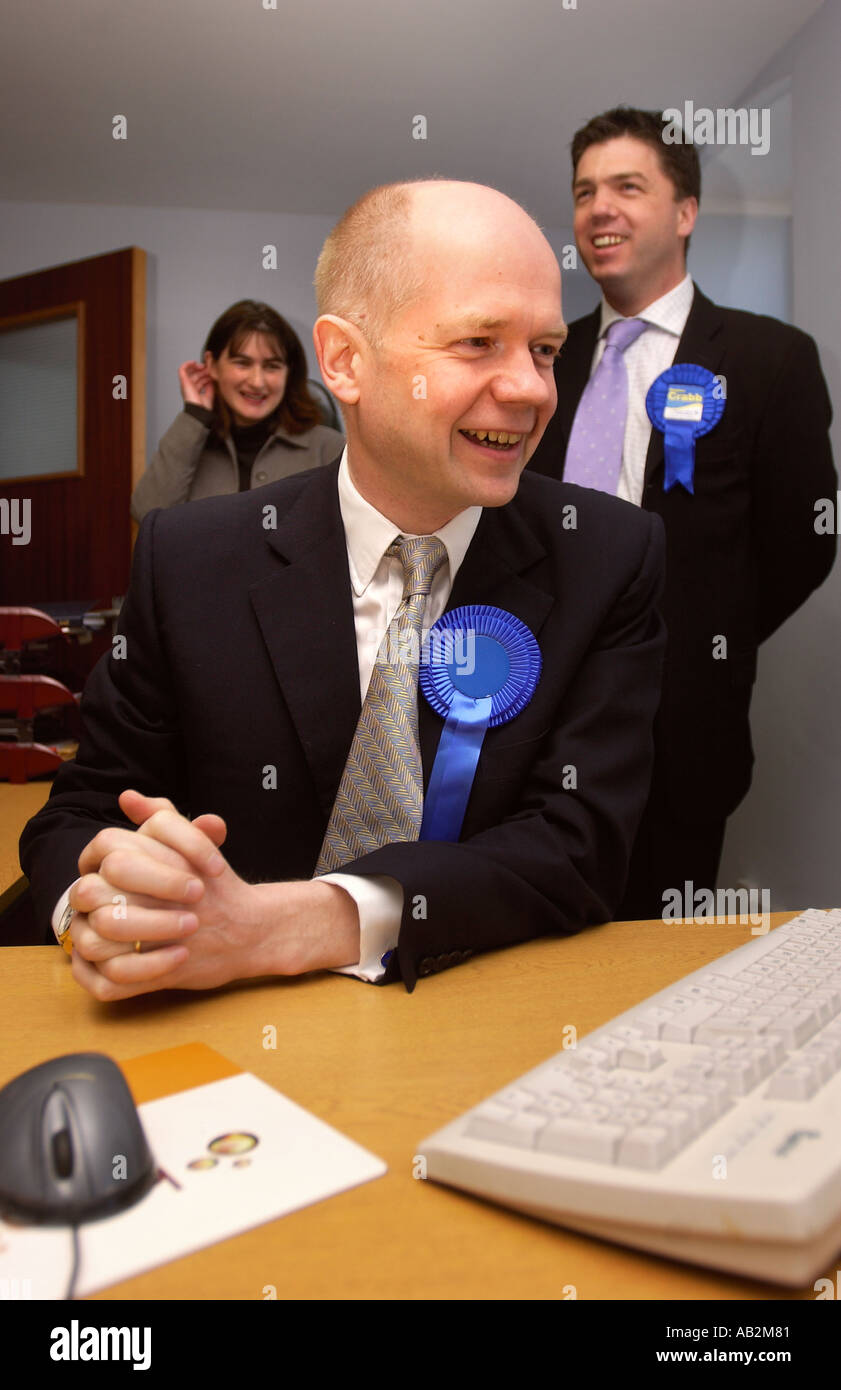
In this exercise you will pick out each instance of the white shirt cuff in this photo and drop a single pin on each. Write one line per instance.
(58, 910)
(380, 903)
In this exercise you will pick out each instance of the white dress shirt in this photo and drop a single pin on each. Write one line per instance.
(377, 582)
(653, 351)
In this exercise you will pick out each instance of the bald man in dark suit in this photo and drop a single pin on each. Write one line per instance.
(248, 677)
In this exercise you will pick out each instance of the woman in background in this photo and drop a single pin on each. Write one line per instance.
(248, 418)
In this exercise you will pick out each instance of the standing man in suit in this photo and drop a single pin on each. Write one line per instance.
(265, 676)
(742, 552)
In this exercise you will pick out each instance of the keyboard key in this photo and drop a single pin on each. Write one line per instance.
(612, 1047)
(819, 1061)
(591, 1111)
(556, 1105)
(629, 1082)
(763, 1059)
(691, 1072)
(502, 1126)
(565, 1085)
(659, 1098)
(796, 1027)
(702, 1109)
(629, 1115)
(641, 1056)
(723, 983)
(517, 1097)
(673, 1085)
(773, 1045)
(782, 1000)
(611, 1096)
(731, 1042)
(678, 1123)
(651, 1021)
(646, 1147)
(746, 1025)
(830, 1046)
(793, 1083)
(581, 1139)
(739, 1075)
(828, 1001)
(595, 1056)
(684, 1026)
(718, 1092)
(625, 1034)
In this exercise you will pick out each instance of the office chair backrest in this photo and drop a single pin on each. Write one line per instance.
(327, 406)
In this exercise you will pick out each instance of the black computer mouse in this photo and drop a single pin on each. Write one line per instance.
(72, 1147)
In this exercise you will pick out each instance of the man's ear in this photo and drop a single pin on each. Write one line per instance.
(340, 348)
(686, 215)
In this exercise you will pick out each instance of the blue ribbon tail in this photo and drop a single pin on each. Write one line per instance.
(679, 444)
(455, 767)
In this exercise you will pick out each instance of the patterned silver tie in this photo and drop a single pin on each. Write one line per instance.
(380, 796)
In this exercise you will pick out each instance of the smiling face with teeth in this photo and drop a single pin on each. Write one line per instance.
(630, 228)
(252, 380)
(446, 411)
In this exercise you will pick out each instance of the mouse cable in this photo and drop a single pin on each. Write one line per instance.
(71, 1287)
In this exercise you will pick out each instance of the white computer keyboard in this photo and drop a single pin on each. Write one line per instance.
(704, 1124)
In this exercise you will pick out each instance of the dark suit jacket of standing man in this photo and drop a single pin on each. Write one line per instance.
(741, 554)
(241, 655)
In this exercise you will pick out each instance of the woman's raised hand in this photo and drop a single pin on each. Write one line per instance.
(196, 383)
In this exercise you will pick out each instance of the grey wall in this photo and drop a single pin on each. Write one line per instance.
(744, 261)
(785, 836)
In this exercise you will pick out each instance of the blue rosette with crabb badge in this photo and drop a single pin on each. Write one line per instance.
(684, 402)
(480, 668)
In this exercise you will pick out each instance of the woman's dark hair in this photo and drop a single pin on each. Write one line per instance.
(297, 411)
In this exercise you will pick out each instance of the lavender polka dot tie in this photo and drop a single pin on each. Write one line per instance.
(594, 452)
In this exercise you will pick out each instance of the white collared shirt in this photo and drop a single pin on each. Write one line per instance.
(653, 351)
(377, 582)
(377, 579)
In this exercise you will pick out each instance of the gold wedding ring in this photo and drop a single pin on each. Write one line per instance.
(137, 945)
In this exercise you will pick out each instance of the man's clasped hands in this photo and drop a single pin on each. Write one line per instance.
(159, 907)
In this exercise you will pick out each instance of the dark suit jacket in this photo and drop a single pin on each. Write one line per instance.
(241, 654)
(742, 553)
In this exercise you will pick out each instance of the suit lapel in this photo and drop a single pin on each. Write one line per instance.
(572, 372)
(305, 612)
(700, 343)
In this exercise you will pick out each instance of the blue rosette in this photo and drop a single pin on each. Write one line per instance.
(479, 668)
(683, 403)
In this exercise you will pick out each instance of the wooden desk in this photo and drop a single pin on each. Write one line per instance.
(17, 805)
(388, 1068)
